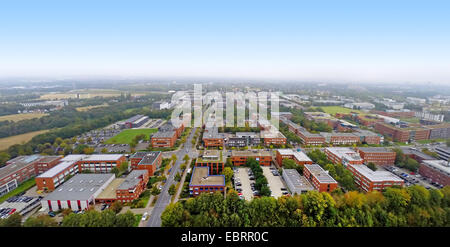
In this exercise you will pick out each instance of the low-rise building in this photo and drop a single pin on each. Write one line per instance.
(340, 138)
(46, 163)
(213, 160)
(437, 170)
(78, 193)
(369, 180)
(164, 139)
(17, 171)
(343, 156)
(443, 152)
(296, 184)
(299, 157)
(203, 182)
(377, 155)
(239, 158)
(132, 187)
(319, 178)
(149, 161)
(212, 137)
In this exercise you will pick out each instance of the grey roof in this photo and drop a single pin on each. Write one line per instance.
(149, 157)
(132, 180)
(80, 187)
(375, 149)
(212, 132)
(320, 173)
(134, 118)
(163, 134)
(407, 150)
(17, 163)
(295, 182)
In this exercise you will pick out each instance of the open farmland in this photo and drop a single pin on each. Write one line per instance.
(127, 136)
(22, 116)
(87, 108)
(18, 139)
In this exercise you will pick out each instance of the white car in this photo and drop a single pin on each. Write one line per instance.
(144, 216)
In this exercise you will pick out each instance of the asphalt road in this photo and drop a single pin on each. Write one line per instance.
(164, 198)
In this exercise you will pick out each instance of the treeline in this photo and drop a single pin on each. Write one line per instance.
(413, 206)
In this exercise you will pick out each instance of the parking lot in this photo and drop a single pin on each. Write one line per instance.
(275, 182)
(411, 179)
(242, 178)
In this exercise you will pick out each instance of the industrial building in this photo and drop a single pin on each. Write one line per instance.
(296, 184)
(78, 192)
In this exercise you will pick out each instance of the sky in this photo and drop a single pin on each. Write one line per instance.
(354, 41)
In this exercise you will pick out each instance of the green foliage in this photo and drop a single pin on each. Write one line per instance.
(228, 172)
(106, 218)
(172, 190)
(40, 221)
(394, 207)
(372, 166)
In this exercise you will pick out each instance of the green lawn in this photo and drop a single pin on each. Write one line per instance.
(337, 109)
(430, 141)
(126, 136)
(22, 187)
(411, 120)
(138, 218)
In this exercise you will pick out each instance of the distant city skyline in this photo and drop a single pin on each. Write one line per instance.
(329, 41)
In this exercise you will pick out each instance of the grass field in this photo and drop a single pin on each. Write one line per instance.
(18, 139)
(126, 136)
(23, 116)
(87, 108)
(337, 109)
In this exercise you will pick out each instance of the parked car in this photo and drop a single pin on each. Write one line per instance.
(144, 216)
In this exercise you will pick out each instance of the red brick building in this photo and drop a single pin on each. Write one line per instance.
(17, 171)
(203, 182)
(369, 180)
(437, 170)
(319, 178)
(164, 139)
(239, 158)
(342, 155)
(133, 186)
(213, 160)
(299, 157)
(46, 163)
(377, 155)
(212, 137)
(149, 161)
(403, 134)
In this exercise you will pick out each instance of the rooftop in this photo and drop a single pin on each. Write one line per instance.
(210, 155)
(132, 180)
(110, 190)
(375, 176)
(200, 176)
(440, 165)
(17, 163)
(375, 149)
(164, 134)
(48, 159)
(147, 158)
(80, 187)
(250, 153)
(299, 182)
(320, 173)
(299, 155)
(56, 169)
(344, 152)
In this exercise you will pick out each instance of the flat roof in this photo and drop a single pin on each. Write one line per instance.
(164, 134)
(47, 159)
(200, 176)
(245, 134)
(344, 152)
(100, 157)
(80, 187)
(375, 149)
(250, 153)
(56, 169)
(17, 163)
(408, 150)
(212, 132)
(293, 178)
(375, 176)
(441, 165)
(299, 155)
(74, 157)
(320, 173)
(132, 180)
(148, 158)
(110, 190)
(271, 134)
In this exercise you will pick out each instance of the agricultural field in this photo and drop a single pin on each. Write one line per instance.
(127, 136)
(337, 109)
(87, 108)
(6, 142)
(22, 116)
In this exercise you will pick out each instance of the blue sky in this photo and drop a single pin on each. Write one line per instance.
(381, 41)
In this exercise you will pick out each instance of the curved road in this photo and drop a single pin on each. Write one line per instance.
(164, 198)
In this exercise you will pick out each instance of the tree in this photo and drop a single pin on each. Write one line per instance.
(155, 191)
(125, 220)
(14, 220)
(186, 158)
(228, 172)
(172, 190)
(116, 206)
(40, 221)
(372, 166)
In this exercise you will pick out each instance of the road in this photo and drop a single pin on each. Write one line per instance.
(164, 198)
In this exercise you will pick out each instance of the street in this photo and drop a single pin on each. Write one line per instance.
(164, 197)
